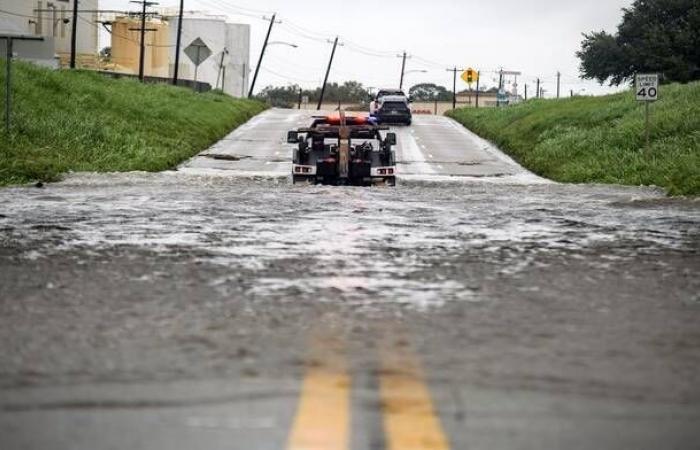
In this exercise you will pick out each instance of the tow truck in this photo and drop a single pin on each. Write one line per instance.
(343, 150)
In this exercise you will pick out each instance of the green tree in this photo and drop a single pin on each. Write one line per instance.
(280, 97)
(428, 92)
(288, 96)
(654, 36)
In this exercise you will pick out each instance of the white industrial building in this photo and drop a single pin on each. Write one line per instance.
(52, 20)
(227, 66)
(228, 40)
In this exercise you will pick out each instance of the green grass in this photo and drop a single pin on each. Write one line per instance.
(601, 139)
(82, 121)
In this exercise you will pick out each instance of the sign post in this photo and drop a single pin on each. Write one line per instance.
(646, 88)
(198, 52)
(469, 76)
(9, 38)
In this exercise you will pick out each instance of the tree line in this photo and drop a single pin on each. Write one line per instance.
(348, 92)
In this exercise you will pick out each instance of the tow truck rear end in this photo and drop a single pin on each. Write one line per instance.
(341, 150)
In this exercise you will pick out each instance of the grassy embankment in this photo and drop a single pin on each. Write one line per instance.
(82, 121)
(601, 139)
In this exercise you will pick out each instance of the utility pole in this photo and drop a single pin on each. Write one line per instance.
(558, 83)
(525, 91)
(224, 52)
(454, 85)
(478, 79)
(8, 86)
(262, 54)
(500, 87)
(301, 94)
(403, 69)
(537, 94)
(454, 89)
(8, 73)
(143, 29)
(74, 35)
(179, 42)
(244, 75)
(328, 72)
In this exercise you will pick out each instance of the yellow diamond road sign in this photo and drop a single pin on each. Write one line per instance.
(470, 75)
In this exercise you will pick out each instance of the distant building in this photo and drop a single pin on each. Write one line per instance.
(52, 20)
(487, 98)
(227, 68)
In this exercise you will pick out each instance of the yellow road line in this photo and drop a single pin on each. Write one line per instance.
(322, 421)
(410, 422)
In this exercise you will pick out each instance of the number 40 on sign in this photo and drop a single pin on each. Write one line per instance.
(647, 87)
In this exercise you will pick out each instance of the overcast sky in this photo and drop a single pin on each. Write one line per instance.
(537, 38)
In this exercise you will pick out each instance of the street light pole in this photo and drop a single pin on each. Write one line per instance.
(328, 72)
(403, 70)
(262, 54)
(408, 72)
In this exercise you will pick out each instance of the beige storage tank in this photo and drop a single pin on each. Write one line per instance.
(126, 46)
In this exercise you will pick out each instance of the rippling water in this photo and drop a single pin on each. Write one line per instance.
(381, 244)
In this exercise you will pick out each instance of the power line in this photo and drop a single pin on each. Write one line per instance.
(232, 10)
(303, 34)
(16, 15)
(287, 77)
(243, 8)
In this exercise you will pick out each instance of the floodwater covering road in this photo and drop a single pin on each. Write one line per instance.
(473, 306)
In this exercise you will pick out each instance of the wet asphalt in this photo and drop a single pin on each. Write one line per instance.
(473, 306)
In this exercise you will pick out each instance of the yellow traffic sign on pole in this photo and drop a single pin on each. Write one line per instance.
(470, 75)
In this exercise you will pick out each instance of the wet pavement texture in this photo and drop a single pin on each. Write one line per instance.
(189, 309)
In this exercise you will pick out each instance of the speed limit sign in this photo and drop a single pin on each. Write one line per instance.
(647, 87)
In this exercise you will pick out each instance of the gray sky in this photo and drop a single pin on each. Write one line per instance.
(535, 37)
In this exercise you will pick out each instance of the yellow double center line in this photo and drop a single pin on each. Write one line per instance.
(410, 421)
(322, 421)
(323, 417)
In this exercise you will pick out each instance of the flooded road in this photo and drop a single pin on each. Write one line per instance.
(473, 306)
